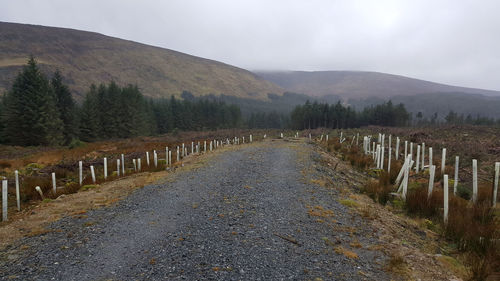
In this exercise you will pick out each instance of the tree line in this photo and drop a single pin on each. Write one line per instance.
(337, 116)
(454, 118)
(39, 111)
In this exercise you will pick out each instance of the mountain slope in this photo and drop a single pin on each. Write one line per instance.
(86, 57)
(360, 84)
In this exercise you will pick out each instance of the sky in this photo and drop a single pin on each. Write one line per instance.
(452, 42)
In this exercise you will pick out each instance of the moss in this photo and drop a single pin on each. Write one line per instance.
(349, 203)
(399, 204)
(88, 187)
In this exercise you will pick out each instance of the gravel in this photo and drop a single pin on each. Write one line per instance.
(242, 216)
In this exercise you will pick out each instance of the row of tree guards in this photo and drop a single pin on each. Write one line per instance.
(181, 152)
(379, 149)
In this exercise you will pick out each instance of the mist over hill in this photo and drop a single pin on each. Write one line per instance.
(87, 57)
(360, 89)
(360, 84)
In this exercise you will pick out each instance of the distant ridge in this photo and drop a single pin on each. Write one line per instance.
(360, 84)
(87, 57)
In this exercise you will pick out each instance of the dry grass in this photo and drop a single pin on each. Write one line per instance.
(348, 253)
(379, 190)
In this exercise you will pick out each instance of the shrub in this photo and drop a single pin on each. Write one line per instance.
(379, 190)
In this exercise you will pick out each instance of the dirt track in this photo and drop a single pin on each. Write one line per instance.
(257, 213)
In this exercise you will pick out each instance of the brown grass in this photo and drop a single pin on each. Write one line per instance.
(379, 190)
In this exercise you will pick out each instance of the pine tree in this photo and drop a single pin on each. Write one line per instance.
(31, 116)
(89, 116)
(66, 107)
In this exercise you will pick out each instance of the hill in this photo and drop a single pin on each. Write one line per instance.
(360, 84)
(86, 57)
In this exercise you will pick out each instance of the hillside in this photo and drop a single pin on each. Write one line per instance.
(360, 84)
(86, 57)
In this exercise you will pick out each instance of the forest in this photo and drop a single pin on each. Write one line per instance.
(41, 111)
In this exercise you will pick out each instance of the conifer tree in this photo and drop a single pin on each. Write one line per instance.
(66, 107)
(31, 116)
(89, 116)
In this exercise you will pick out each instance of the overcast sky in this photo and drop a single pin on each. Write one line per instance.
(455, 42)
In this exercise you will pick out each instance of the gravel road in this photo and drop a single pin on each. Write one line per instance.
(247, 214)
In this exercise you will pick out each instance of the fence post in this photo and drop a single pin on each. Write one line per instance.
(155, 158)
(192, 147)
(92, 172)
(139, 164)
(443, 160)
(135, 165)
(123, 164)
(204, 146)
(80, 172)
(445, 200)
(105, 168)
(182, 154)
(417, 167)
(54, 187)
(455, 179)
(169, 158)
(432, 172)
(178, 156)
(397, 148)
(423, 156)
(474, 180)
(118, 167)
(4, 200)
(495, 186)
(18, 194)
(406, 177)
(430, 156)
(411, 149)
(389, 161)
(382, 152)
(147, 158)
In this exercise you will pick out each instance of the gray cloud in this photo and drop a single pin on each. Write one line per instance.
(453, 42)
